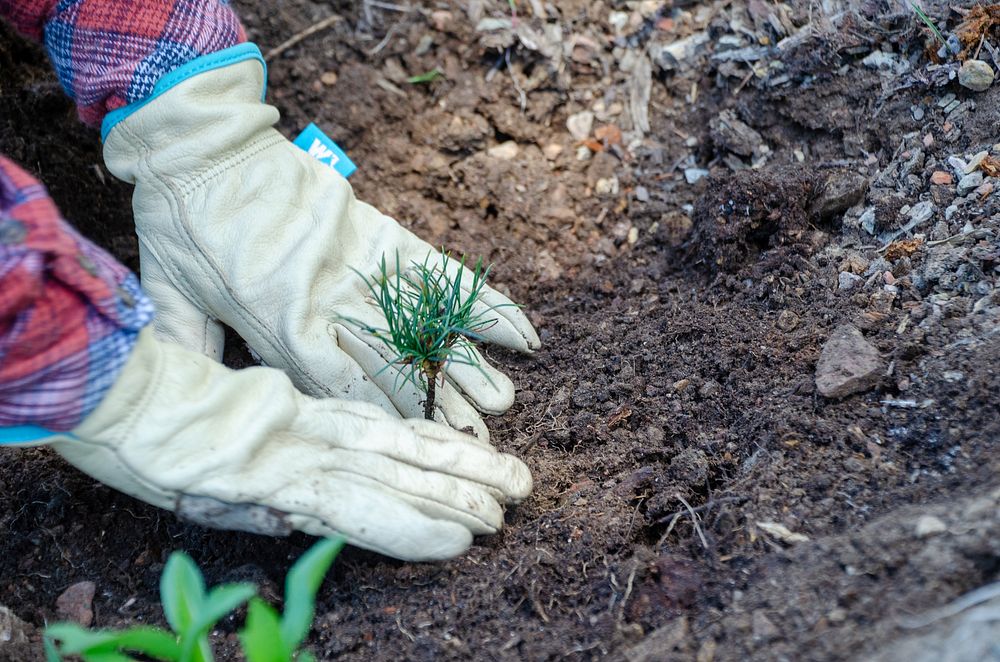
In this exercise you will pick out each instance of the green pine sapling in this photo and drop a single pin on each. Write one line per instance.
(432, 320)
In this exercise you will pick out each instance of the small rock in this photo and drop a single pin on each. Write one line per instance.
(946, 99)
(920, 213)
(76, 603)
(693, 175)
(762, 628)
(839, 191)
(918, 112)
(953, 376)
(928, 525)
(12, 629)
(782, 532)
(976, 75)
(607, 186)
(847, 364)
(986, 188)
(942, 178)
(787, 320)
(633, 235)
(442, 20)
(583, 153)
(848, 281)
(681, 384)
(504, 151)
(709, 388)
(328, 78)
(642, 194)
(580, 124)
(552, 151)
(970, 182)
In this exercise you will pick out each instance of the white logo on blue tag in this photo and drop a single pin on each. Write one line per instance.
(316, 144)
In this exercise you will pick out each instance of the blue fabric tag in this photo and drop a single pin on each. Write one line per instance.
(316, 144)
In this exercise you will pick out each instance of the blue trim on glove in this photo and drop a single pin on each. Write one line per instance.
(217, 60)
(26, 434)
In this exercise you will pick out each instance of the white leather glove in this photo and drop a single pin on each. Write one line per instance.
(237, 225)
(245, 450)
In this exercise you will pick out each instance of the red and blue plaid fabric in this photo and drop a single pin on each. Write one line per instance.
(110, 53)
(69, 313)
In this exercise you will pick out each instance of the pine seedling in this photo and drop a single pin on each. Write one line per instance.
(432, 322)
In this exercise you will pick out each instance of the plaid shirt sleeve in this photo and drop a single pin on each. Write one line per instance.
(110, 53)
(69, 313)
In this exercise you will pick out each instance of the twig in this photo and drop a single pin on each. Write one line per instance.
(385, 40)
(628, 592)
(695, 520)
(304, 34)
(704, 506)
(513, 78)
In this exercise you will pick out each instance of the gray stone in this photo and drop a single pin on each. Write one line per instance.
(970, 182)
(12, 629)
(976, 75)
(848, 281)
(848, 364)
(692, 175)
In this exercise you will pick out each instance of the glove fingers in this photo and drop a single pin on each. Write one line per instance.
(488, 389)
(437, 495)
(435, 447)
(512, 328)
(374, 520)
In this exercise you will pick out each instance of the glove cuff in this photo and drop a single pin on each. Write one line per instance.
(217, 60)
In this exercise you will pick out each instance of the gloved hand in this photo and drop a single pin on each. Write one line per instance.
(245, 450)
(238, 225)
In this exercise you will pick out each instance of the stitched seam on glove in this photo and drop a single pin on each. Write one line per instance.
(271, 138)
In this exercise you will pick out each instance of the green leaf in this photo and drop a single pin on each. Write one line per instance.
(305, 656)
(95, 644)
(51, 652)
(76, 639)
(182, 591)
(149, 640)
(301, 585)
(107, 656)
(220, 601)
(261, 637)
(428, 77)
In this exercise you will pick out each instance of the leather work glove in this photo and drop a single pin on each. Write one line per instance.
(245, 450)
(238, 225)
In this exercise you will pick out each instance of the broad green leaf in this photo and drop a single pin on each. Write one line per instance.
(301, 585)
(182, 591)
(75, 639)
(107, 656)
(219, 602)
(91, 644)
(51, 652)
(261, 637)
(151, 641)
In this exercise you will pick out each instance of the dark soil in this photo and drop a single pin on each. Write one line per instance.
(672, 407)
